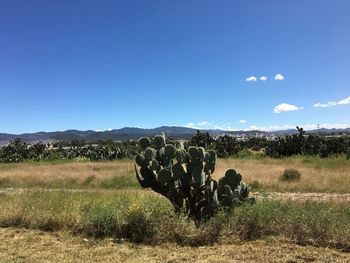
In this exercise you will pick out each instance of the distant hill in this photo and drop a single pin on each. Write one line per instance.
(127, 133)
(130, 133)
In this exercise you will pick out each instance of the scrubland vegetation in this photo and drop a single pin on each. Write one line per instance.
(75, 199)
(225, 146)
(143, 217)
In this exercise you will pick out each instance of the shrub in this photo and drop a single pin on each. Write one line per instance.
(290, 175)
(187, 182)
(15, 152)
(99, 220)
(138, 227)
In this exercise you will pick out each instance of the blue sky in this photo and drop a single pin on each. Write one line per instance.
(108, 64)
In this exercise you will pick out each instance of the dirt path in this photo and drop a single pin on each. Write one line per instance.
(317, 197)
(284, 196)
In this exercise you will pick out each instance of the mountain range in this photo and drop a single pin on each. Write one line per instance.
(131, 133)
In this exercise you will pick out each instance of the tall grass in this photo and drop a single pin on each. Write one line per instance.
(69, 175)
(318, 174)
(144, 217)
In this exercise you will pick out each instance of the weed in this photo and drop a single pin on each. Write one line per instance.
(99, 220)
(290, 175)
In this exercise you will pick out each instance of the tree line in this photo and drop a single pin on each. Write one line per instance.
(282, 146)
(18, 151)
(225, 146)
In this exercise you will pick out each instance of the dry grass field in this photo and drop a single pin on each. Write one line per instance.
(79, 211)
(68, 175)
(20, 245)
(331, 175)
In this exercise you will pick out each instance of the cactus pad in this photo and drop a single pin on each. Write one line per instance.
(188, 181)
(139, 160)
(164, 177)
(159, 141)
(144, 143)
(170, 151)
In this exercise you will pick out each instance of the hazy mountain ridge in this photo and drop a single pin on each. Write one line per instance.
(128, 133)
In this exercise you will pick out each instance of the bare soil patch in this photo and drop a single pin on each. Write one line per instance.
(19, 245)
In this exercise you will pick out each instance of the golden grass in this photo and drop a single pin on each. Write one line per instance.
(47, 171)
(317, 175)
(61, 174)
(19, 245)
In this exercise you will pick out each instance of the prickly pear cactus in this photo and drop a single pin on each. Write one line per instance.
(185, 178)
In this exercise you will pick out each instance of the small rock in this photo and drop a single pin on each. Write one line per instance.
(119, 240)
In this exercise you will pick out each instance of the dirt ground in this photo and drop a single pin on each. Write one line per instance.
(283, 196)
(20, 245)
(317, 197)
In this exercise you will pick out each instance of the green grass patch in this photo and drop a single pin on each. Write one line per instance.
(144, 217)
(331, 162)
(119, 182)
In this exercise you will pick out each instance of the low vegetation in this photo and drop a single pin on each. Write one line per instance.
(23, 245)
(17, 151)
(143, 217)
(282, 146)
(290, 175)
(225, 146)
(329, 175)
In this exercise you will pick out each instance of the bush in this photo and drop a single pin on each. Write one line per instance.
(139, 226)
(290, 175)
(99, 220)
(15, 152)
(309, 223)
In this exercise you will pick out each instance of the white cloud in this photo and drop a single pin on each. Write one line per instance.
(198, 125)
(228, 127)
(344, 101)
(332, 103)
(251, 78)
(278, 77)
(190, 125)
(109, 129)
(242, 121)
(224, 128)
(203, 123)
(263, 78)
(304, 126)
(286, 107)
(325, 105)
(209, 125)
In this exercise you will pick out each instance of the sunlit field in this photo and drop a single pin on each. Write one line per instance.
(329, 175)
(99, 209)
